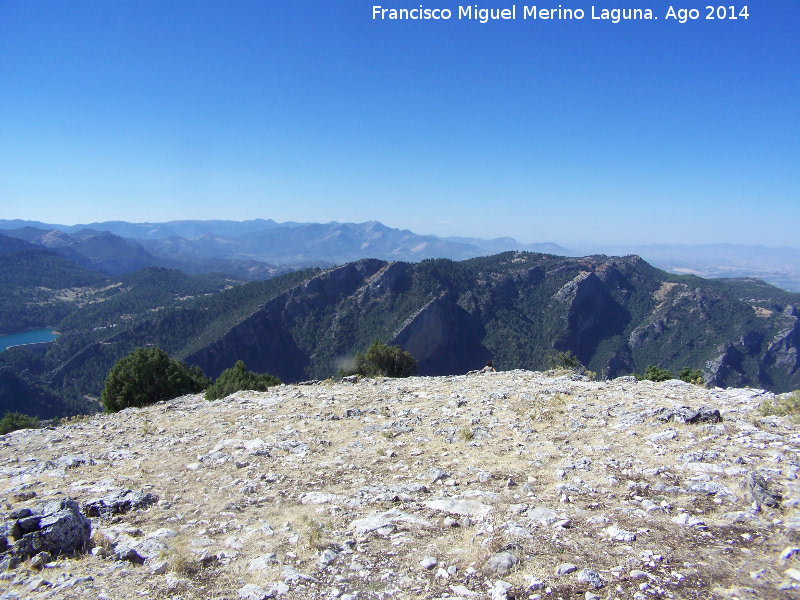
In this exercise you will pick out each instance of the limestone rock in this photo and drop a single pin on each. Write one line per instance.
(587, 576)
(565, 569)
(684, 414)
(120, 501)
(254, 592)
(470, 508)
(428, 563)
(501, 563)
(62, 529)
(282, 487)
(760, 491)
(384, 523)
(620, 535)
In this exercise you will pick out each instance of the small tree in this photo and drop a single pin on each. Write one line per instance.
(14, 420)
(385, 361)
(564, 360)
(238, 378)
(691, 376)
(146, 376)
(654, 373)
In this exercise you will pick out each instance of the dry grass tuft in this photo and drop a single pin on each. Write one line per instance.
(181, 562)
(784, 405)
(99, 540)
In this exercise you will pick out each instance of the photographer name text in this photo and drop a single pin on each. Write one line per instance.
(678, 14)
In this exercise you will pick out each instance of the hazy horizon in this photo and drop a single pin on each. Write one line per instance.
(572, 244)
(572, 131)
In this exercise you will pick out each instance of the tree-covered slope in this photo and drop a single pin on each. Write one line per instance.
(34, 283)
(43, 289)
(154, 307)
(616, 314)
(18, 394)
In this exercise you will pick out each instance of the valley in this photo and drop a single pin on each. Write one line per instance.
(617, 315)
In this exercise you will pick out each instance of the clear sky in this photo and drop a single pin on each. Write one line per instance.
(311, 110)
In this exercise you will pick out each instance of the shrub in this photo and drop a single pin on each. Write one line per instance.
(146, 376)
(564, 360)
(14, 420)
(691, 376)
(654, 373)
(385, 361)
(238, 378)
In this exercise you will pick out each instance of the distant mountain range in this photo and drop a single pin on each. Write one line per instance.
(263, 248)
(256, 249)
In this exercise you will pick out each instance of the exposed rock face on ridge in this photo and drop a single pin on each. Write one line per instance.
(442, 336)
(264, 339)
(510, 485)
(616, 314)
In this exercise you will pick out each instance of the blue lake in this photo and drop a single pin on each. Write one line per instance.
(27, 337)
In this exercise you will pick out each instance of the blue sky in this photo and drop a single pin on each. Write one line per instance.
(559, 130)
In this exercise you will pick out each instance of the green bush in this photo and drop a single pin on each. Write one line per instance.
(14, 420)
(654, 373)
(238, 378)
(385, 361)
(146, 376)
(691, 376)
(687, 374)
(564, 360)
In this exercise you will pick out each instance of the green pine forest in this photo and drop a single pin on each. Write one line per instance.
(617, 315)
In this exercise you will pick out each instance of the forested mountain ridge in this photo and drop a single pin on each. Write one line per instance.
(616, 314)
(44, 289)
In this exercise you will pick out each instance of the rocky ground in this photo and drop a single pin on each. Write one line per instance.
(507, 485)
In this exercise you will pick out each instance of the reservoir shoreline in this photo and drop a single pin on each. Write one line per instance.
(25, 338)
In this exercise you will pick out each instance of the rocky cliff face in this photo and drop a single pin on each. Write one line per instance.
(444, 337)
(617, 315)
(265, 341)
(501, 486)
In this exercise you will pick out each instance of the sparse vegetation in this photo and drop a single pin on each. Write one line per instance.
(546, 409)
(315, 534)
(691, 376)
(466, 434)
(13, 421)
(654, 373)
(181, 563)
(687, 374)
(783, 405)
(238, 378)
(101, 540)
(381, 360)
(147, 376)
